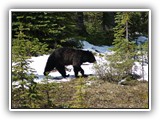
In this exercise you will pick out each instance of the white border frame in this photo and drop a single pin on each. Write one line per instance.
(75, 10)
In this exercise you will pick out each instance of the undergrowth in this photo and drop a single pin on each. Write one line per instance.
(89, 93)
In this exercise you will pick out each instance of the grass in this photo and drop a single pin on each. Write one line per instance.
(109, 95)
(96, 94)
(102, 94)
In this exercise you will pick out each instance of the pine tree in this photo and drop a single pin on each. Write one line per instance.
(47, 89)
(80, 25)
(99, 26)
(78, 100)
(49, 92)
(22, 73)
(49, 28)
(128, 27)
(139, 26)
(122, 59)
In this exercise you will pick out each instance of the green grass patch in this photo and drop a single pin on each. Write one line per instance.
(88, 93)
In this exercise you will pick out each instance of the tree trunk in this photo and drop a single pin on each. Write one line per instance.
(80, 24)
(126, 30)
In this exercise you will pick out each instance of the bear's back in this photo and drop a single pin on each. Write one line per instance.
(65, 56)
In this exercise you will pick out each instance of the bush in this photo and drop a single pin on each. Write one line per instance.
(113, 71)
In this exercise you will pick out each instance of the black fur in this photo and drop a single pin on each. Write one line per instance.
(68, 56)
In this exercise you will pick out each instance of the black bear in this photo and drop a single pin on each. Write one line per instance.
(68, 56)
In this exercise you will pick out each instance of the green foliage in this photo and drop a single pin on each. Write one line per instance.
(100, 32)
(48, 28)
(78, 100)
(20, 58)
(48, 101)
(94, 22)
(139, 25)
(53, 29)
(22, 74)
(28, 47)
(121, 61)
(124, 49)
(124, 46)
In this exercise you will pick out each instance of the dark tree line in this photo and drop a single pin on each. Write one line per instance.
(56, 28)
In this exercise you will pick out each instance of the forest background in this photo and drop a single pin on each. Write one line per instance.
(38, 33)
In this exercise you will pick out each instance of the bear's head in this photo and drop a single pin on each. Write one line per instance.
(88, 57)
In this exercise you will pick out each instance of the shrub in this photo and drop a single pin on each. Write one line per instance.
(114, 70)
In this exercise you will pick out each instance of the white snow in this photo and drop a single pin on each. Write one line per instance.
(93, 48)
(142, 72)
(39, 64)
(141, 40)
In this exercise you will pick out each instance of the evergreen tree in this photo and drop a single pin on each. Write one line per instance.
(49, 90)
(122, 61)
(80, 25)
(49, 28)
(125, 50)
(139, 26)
(22, 74)
(99, 26)
(108, 21)
(78, 100)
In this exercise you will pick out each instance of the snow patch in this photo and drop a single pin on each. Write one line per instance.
(141, 40)
(39, 64)
(93, 48)
(140, 70)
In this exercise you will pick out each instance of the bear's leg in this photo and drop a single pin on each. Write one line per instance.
(61, 70)
(76, 69)
(82, 72)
